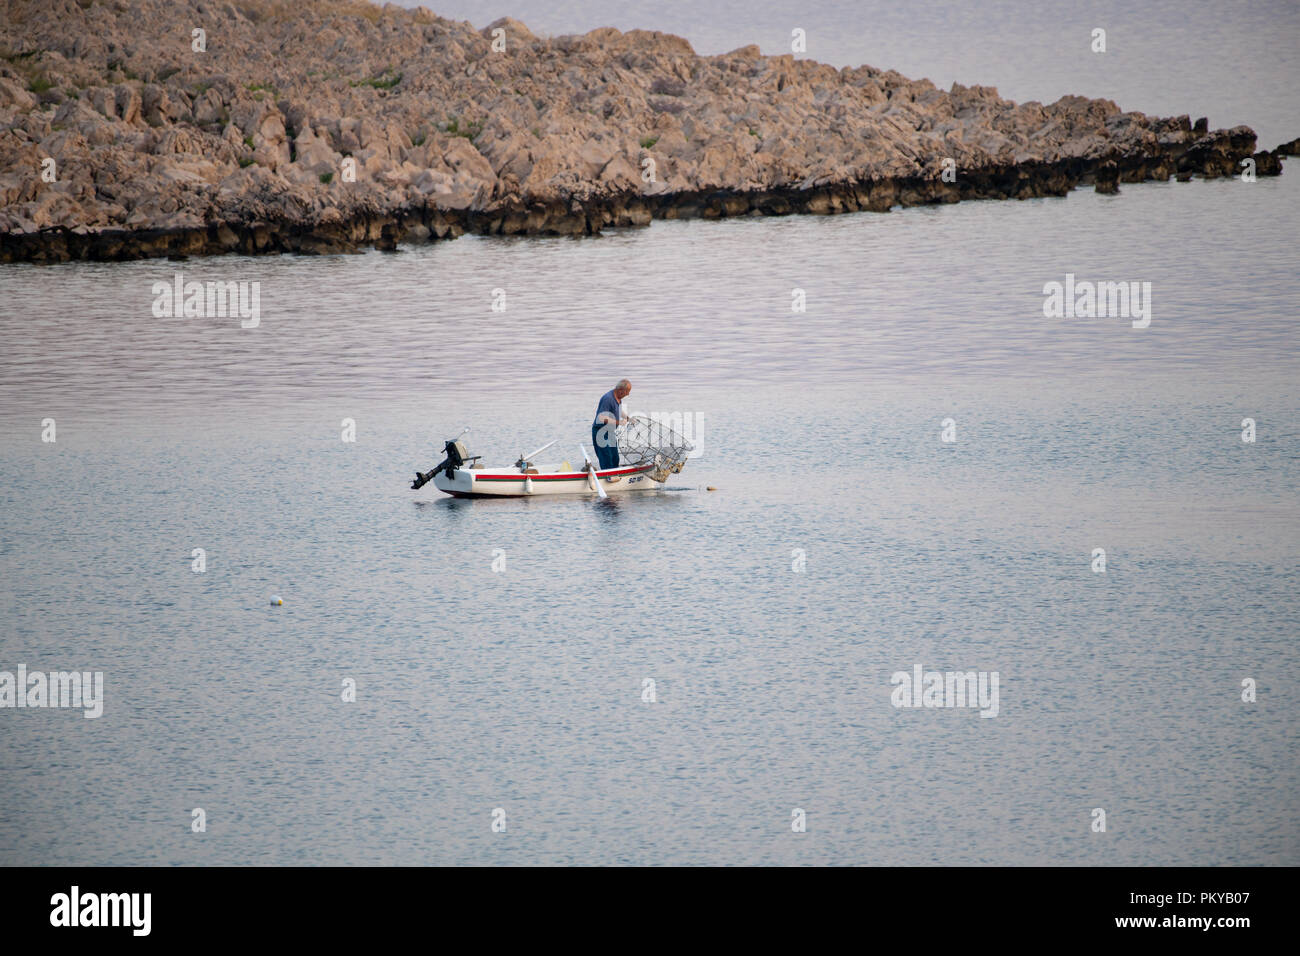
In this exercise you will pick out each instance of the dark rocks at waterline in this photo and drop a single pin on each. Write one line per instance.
(1106, 179)
(428, 222)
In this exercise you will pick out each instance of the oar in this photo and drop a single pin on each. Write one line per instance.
(591, 471)
(527, 458)
(524, 459)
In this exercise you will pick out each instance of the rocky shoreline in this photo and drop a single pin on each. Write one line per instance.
(120, 140)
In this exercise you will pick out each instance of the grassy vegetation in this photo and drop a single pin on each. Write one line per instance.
(245, 161)
(117, 66)
(471, 130)
(385, 81)
(418, 139)
(648, 141)
(326, 178)
(37, 82)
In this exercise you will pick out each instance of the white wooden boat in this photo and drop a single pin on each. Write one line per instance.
(649, 454)
(511, 483)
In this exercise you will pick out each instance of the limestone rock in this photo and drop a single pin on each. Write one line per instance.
(245, 146)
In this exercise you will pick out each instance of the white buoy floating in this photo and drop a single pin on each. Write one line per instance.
(276, 600)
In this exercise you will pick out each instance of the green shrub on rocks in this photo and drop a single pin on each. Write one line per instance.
(471, 130)
(382, 82)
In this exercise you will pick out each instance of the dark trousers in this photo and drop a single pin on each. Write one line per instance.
(602, 439)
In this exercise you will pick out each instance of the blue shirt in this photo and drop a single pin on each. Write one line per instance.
(608, 403)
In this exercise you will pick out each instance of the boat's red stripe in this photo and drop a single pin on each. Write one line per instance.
(564, 476)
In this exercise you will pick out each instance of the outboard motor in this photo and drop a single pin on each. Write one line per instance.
(456, 457)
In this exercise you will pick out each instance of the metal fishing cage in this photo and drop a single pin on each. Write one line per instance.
(644, 441)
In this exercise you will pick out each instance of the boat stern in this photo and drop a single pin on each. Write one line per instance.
(460, 483)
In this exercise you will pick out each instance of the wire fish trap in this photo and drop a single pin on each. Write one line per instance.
(644, 441)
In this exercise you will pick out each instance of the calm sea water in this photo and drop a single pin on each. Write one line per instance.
(845, 542)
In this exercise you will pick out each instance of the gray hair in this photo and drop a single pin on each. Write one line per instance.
(622, 383)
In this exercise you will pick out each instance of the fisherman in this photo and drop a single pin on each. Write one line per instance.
(609, 415)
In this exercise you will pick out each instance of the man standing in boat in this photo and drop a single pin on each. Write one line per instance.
(609, 415)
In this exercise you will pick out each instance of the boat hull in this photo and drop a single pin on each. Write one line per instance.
(509, 483)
